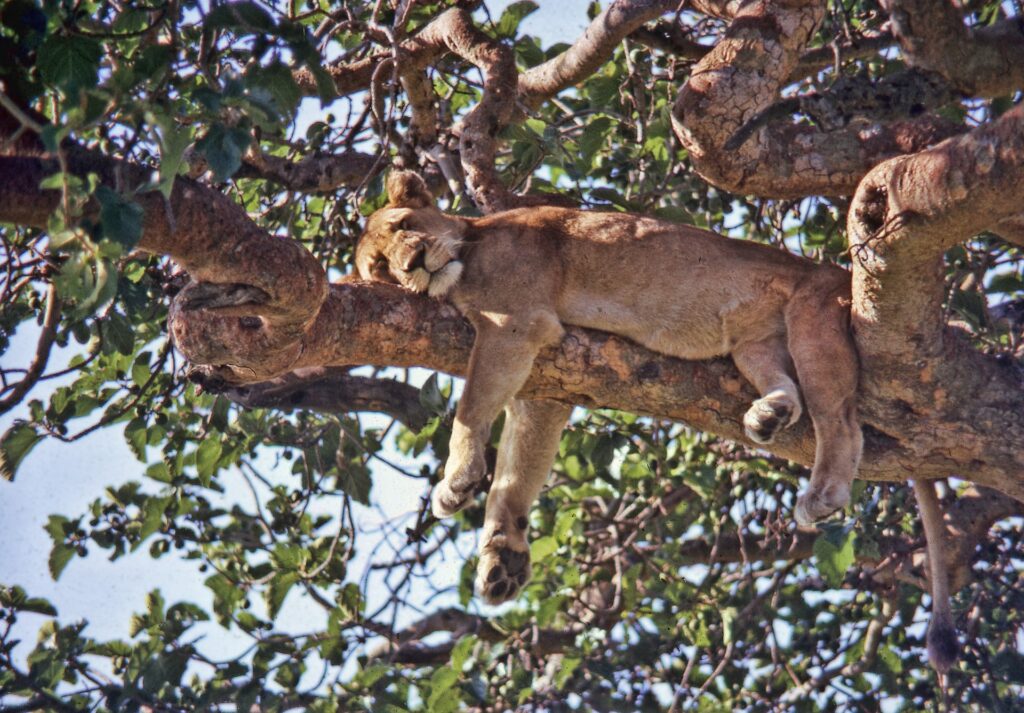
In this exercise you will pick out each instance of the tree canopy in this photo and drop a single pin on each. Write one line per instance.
(181, 187)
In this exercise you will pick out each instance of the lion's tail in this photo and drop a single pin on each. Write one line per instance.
(943, 646)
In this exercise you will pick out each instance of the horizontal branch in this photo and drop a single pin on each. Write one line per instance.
(741, 77)
(385, 325)
(332, 390)
(310, 174)
(670, 37)
(985, 62)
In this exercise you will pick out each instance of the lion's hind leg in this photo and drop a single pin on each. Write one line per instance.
(766, 364)
(822, 349)
(529, 442)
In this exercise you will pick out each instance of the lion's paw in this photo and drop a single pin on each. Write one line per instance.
(446, 501)
(502, 571)
(766, 417)
(457, 488)
(815, 505)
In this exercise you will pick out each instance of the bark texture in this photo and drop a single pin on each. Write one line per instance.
(741, 77)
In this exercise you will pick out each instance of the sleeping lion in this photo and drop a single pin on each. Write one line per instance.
(520, 275)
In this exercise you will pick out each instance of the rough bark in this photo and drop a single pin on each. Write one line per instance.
(906, 214)
(984, 62)
(743, 76)
(333, 390)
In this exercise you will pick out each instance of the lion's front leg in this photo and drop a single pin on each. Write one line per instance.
(529, 442)
(502, 358)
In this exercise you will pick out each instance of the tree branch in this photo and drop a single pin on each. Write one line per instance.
(987, 61)
(907, 212)
(741, 77)
(333, 390)
(311, 174)
(301, 323)
(51, 319)
(591, 50)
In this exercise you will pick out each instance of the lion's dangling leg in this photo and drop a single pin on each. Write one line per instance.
(766, 364)
(822, 349)
(943, 647)
(502, 358)
(529, 443)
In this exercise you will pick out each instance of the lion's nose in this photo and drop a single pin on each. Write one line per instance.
(418, 260)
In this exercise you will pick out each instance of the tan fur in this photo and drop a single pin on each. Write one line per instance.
(518, 276)
(943, 647)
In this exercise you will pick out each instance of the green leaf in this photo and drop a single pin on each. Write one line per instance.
(152, 516)
(289, 557)
(542, 547)
(15, 444)
(834, 552)
(16, 598)
(508, 23)
(461, 651)
(120, 217)
(431, 397)
(350, 601)
(223, 147)
(70, 62)
(728, 624)
(441, 681)
(118, 333)
(565, 670)
(173, 141)
(207, 456)
(244, 17)
(277, 82)
(60, 555)
(593, 138)
(354, 480)
(280, 584)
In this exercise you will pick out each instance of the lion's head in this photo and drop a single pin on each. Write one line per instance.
(409, 241)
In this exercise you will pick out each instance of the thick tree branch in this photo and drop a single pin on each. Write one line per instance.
(906, 214)
(333, 390)
(295, 327)
(209, 235)
(987, 61)
(454, 30)
(671, 38)
(741, 77)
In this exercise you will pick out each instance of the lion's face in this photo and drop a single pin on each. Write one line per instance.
(410, 242)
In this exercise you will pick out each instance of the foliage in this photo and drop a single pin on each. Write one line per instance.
(643, 596)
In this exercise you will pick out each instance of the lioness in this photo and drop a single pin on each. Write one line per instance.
(519, 275)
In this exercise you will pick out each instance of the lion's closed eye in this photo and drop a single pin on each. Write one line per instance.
(379, 270)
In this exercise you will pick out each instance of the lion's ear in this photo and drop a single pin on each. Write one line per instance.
(407, 190)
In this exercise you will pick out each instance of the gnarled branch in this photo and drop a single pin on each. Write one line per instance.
(985, 62)
(741, 77)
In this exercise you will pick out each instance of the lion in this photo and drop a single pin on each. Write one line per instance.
(518, 276)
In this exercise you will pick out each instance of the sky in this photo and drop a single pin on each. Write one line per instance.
(61, 478)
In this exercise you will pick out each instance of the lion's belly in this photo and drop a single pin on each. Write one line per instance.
(683, 333)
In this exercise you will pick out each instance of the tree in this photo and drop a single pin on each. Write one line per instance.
(137, 141)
